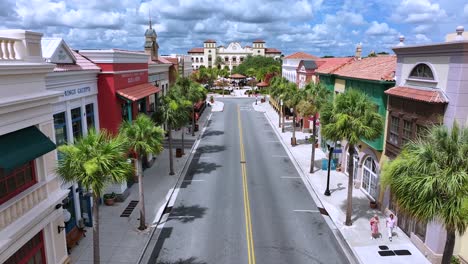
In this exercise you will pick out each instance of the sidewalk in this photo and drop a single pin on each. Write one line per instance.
(120, 240)
(357, 236)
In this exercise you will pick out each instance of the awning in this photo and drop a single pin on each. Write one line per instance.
(22, 146)
(428, 95)
(262, 84)
(138, 92)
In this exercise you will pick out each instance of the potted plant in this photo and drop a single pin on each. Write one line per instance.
(211, 99)
(109, 198)
(373, 204)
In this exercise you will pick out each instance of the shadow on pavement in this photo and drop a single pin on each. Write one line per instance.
(212, 133)
(191, 260)
(339, 187)
(211, 149)
(165, 234)
(361, 208)
(186, 214)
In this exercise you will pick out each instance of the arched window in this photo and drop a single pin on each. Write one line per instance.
(196, 60)
(370, 178)
(422, 71)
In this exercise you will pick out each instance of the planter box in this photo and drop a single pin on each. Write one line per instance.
(178, 153)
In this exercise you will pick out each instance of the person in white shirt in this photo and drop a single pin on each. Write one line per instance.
(390, 225)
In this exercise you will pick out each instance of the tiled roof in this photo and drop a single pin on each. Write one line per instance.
(82, 64)
(196, 50)
(262, 84)
(138, 92)
(328, 65)
(272, 50)
(309, 64)
(258, 41)
(301, 55)
(210, 41)
(171, 60)
(165, 60)
(380, 68)
(237, 76)
(434, 96)
(247, 46)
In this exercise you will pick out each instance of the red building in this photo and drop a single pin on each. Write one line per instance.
(122, 84)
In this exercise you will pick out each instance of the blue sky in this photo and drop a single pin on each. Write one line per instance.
(319, 27)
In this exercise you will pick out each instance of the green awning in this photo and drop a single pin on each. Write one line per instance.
(22, 146)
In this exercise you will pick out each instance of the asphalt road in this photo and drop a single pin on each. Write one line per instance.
(242, 201)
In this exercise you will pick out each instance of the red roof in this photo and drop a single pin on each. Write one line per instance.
(247, 46)
(328, 65)
(174, 61)
(237, 76)
(380, 68)
(138, 92)
(262, 84)
(210, 41)
(272, 50)
(434, 96)
(258, 41)
(301, 55)
(81, 64)
(196, 50)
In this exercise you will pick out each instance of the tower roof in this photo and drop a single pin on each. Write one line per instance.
(210, 41)
(150, 32)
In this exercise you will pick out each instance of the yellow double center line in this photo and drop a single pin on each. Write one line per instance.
(248, 222)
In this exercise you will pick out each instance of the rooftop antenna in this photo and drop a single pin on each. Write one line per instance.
(149, 15)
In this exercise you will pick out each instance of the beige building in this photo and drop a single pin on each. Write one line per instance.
(231, 56)
(31, 213)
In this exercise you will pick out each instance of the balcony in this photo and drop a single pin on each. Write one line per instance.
(7, 49)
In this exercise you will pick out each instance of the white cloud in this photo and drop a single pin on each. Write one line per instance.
(418, 11)
(465, 11)
(421, 38)
(377, 28)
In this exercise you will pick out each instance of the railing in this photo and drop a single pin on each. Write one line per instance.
(22, 206)
(7, 49)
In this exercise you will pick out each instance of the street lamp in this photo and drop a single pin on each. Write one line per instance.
(330, 146)
(282, 116)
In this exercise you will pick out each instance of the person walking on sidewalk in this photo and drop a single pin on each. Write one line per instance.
(374, 223)
(390, 225)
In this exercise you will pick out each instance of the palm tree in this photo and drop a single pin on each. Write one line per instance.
(351, 117)
(219, 61)
(95, 161)
(429, 180)
(278, 91)
(250, 72)
(293, 96)
(193, 93)
(316, 96)
(143, 138)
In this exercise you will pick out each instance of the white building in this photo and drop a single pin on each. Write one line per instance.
(231, 56)
(74, 114)
(31, 214)
(291, 62)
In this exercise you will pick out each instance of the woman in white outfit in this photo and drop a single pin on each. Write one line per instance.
(390, 225)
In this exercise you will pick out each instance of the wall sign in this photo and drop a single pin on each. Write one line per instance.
(133, 77)
(77, 91)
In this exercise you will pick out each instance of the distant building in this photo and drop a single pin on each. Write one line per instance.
(291, 62)
(231, 56)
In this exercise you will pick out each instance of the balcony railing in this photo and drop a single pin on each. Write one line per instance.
(7, 49)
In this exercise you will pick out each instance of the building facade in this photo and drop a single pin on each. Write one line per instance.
(431, 88)
(31, 200)
(291, 63)
(231, 56)
(75, 113)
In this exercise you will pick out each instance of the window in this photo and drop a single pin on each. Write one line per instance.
(407, 130)
(31, 253)
(76, 122)
(209, 58)
(192, 59)
(201, 59)
(420, 230)
(90, 116)
(234, 59)
(125, 114)
(60, 126)
(226, 59)
(196, 60)
(422, 71)
(369, 177)
(241, 59)
(394, 127)
(15, 181)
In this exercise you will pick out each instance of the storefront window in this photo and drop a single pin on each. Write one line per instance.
(125, 114)
(90, 116)
(369, 177)
(60, 126)
(407, 130)
(16, 181)
(394, 127)
(76, 122)
(31, 253)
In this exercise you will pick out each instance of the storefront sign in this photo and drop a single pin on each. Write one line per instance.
(133, 77)
(77, 91)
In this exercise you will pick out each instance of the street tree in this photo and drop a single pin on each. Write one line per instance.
(316, 96)
(193, 92)
(144, 138)
(278, 91)
(293, 96)
(95, 161)
(351, 116)
(429, 180)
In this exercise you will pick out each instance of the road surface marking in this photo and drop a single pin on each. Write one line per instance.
(279, 156)
(248, 222)
(307, 211)
(289, 177)
(272, 141)
(194, 180)
(181, 216)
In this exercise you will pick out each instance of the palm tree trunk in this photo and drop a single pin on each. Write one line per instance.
(293, 142)
(279, 115)
(314, 136)
(349, 207)
(171, 161)
(142, 196)
(183, 141)
(193, 121)
(282, 112)
(96, 255)
(448, 249)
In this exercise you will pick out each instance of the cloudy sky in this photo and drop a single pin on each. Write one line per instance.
(320, 27)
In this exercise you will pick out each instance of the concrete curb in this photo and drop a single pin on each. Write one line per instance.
(146, 256)
(347, 249)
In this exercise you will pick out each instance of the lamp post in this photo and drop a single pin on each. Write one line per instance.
(330, 146)
(280, 113)
(282, 117)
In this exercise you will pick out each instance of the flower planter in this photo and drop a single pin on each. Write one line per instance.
(178, 153)
(373, 204)
(109, 199)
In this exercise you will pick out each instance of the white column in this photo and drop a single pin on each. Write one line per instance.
(84, 123)
(68, 122)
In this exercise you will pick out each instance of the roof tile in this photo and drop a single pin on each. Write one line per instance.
(81, 64)
(329, 65)
(434, 96)
(380, 68)
(301, 55)
(196, 50)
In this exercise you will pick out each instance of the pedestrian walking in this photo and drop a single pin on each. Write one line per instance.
(374, 224)
(390, 225)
